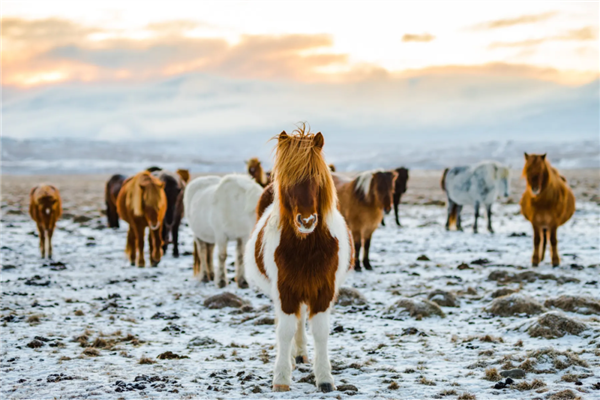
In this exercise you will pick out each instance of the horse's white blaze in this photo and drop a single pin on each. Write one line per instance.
(47, 211)
(219, 210)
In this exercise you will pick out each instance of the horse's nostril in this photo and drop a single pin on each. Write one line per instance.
(299, 219)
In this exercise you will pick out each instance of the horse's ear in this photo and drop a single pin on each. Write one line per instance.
(282, 136)
(526, 156)
(318, 140)
(544, 156)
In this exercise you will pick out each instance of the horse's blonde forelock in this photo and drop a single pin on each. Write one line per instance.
(297, 159)
(151, 195)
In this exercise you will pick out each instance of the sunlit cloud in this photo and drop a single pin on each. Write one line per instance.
(507, 22)
(425, 37)
(583, 34)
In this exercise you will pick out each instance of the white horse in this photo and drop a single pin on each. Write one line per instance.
(474, 185)
(220, 210)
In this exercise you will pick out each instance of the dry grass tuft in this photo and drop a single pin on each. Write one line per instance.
(555, 324)
(394, 386)
(559, 359)
(491, 339)
(415, 308)
(580, 304)
(448, 392)
(33, 319)
(535, 384)
(425, 381)
(503, 292)
(146, 360)
(467, 396)
(443, 298)
(491, 374)
(514, 304)
(571, 378)
(91, 352)
(79, 313)
(567, 394)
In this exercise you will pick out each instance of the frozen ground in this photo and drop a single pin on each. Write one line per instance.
(91, 291)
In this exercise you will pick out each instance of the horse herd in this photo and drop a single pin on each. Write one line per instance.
(300, 228)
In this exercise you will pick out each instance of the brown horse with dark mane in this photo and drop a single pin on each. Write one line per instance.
(111, 192)
(142, 203)
(256, 171)
(299, 254)
(45, 208)
(399, 190)
(174, 188)
(363, 201)
(547, 203)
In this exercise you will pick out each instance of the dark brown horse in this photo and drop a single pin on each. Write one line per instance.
(111, 192)
(174, 188)
(363, 201)
(399, 190)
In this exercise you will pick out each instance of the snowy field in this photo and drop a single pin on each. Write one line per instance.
(88, 325)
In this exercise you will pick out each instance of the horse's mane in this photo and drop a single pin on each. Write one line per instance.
(362, 183)
(151, 195)
(298, 160)
(255, 162)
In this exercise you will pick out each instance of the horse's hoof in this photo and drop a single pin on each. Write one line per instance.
(205, 279)
(132, 264)
(326, 387)
(222, 283)
(368, 267)
(243, 284)
(175, 255)
(357, 268)
(301, 359)
(281, 388)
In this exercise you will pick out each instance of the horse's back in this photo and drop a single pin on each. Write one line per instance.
(198, 202)
(235, 200)
(196, 185)
(466, 185)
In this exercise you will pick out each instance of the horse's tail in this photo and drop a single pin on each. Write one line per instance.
(452, 216)
(443, 182)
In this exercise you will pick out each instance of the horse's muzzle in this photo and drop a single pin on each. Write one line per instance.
(306, 225)
(155, 227)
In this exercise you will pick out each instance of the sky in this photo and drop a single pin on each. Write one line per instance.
(125, 70)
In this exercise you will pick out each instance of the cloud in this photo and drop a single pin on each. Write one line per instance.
(425, 37)
(46, 30)
(507, 22)
(583, 34)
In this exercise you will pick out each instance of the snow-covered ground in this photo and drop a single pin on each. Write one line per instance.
(91, 290)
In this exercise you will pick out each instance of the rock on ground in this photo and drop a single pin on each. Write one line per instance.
(415, 308)
(223, 300)
(580, 304)
(350, 297)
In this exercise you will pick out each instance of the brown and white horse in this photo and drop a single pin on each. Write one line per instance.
(256, 171)
(142, 203)
(45, 208)
(363, 201)
(299, 254)
(547, 203)
(111, 192)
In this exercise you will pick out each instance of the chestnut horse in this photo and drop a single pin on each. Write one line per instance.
(299, 254)
(142, 203)
(174, 187)
(363, 201)
(547, 203)
(256, 171)
(111, 192)
(399, 190)
(45, 207)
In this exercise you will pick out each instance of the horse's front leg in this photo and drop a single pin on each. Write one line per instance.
(240, 276)
(476, 206)
(489, 218)
(210, 248)
(221, 276)
(554, 247)
(175, 237)
(140, 231)
(286, 329)
(458, 218)
(396, 202)
(42, 235)
(451, 210)
(322, 366)
(49, 234)
(366, 247)
(300, 349)
(130, 249)
(357, 244)
(537, 238)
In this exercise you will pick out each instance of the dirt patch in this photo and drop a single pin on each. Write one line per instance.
(350, 297)
(415, 308)
(580, 304)
(514, 304)
(443, 298)
(555, 324)
(225, 299)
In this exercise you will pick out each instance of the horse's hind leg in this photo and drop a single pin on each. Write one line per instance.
(49, 234)
(458, 218)
(357, 245)
(300, 353)
(476, 206)
(366, 246)
(210, 248)
(554, 247)
(130, 248)
(322, 366)
(221, 275)
(140, 231)
(537, 238)
(42, 235)
(489, 218)
(202, 252)
(451, 214)
(240, 276)
(396, 202)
